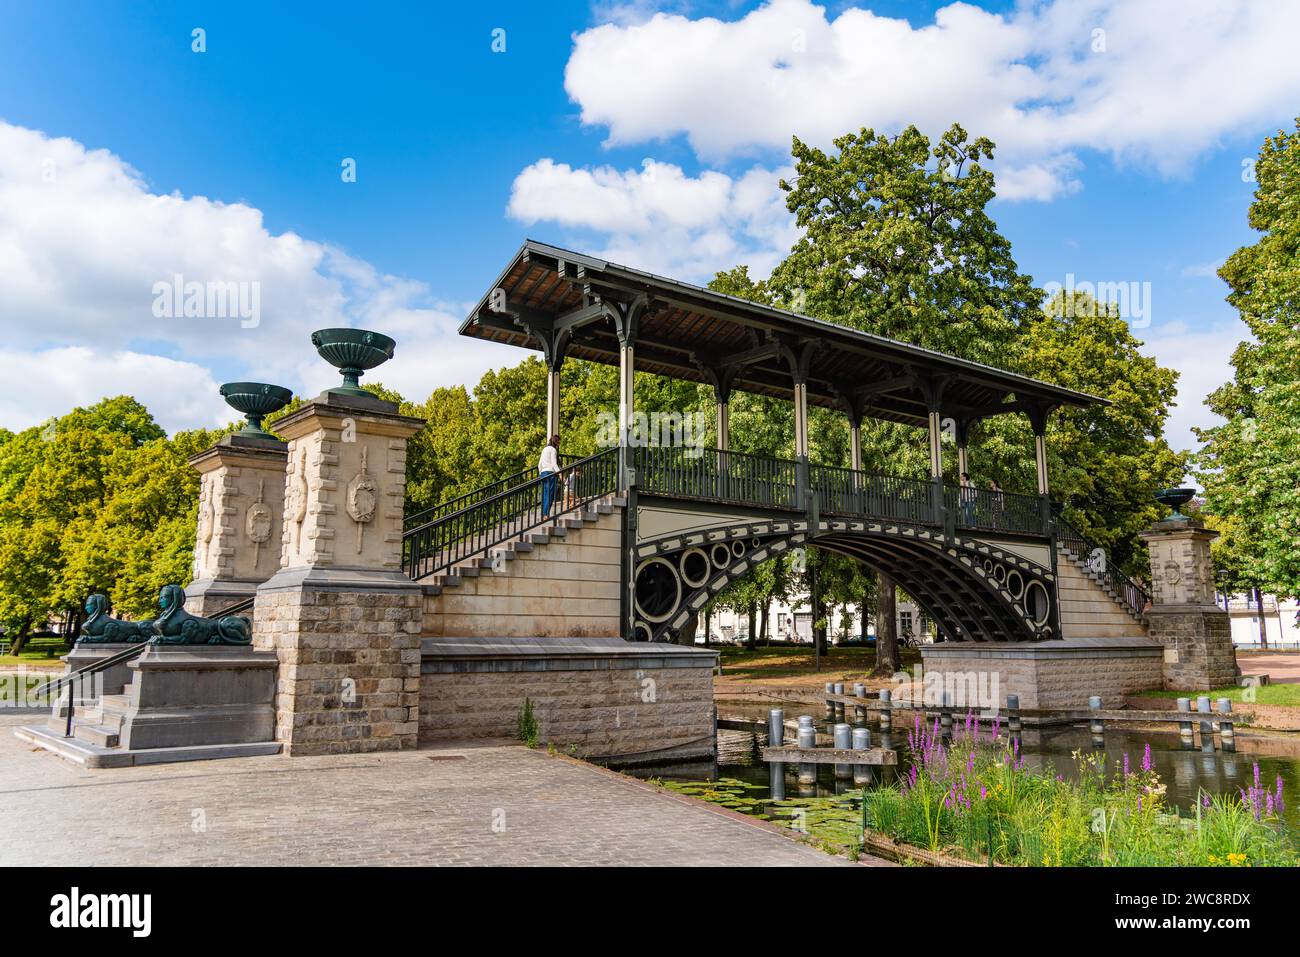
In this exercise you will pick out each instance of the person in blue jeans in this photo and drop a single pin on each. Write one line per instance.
(547, 467)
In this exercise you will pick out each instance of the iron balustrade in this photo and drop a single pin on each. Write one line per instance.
(461, 502)
(1112, 577)
(992, 511)
(716, 475)
(495, 519)
(842, 491)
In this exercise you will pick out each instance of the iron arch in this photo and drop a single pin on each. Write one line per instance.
(973, 590)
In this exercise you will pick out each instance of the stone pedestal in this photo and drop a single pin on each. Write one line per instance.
(109, 681)
(340, 614)
(1184, 616)
(191, 695)
(241, 504)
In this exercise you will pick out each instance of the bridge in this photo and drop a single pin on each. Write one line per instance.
(985, 566)
(368, 628)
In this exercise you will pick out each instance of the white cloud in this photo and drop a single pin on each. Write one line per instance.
(1172, 79)
(83, 240)
(660, 219)
(1203, 360)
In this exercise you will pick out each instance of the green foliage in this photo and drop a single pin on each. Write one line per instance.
(1250, 465)
(526, 726)
(96, 500)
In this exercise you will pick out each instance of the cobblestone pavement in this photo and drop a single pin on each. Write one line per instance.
(423, 807)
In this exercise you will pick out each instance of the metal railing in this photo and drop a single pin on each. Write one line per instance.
(461, 502)
(715, 475)
(994, 511)
(842, 491)
(70, 680)
(1112, 577)
(482, 524)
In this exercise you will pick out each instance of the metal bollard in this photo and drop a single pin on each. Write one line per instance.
(945, 716)
(886, 718)
(775, 738)
(807, 739)
(830, 705)
(1207, 726)
(862, 742)
(843, 739)
(1013, 715)
(1227, 740)
(839, 705)
(1095, 725)
(1185, 734)
(859, 712)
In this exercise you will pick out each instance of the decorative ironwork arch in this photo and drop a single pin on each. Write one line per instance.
(973, 590)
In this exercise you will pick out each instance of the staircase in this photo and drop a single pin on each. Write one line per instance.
(1095, 604)
(560, 579)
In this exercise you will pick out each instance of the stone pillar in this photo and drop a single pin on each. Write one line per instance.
(1184, 616)
(342, 617)
(241, 504)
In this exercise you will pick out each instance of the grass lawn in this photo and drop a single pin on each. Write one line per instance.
(1288, 696)
(37, 653)
(786, 661)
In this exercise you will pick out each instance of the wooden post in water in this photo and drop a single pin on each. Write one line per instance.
(839, 705)
(1207, 726)
(859, 712)
(776, 738)
(1186, 735)
(886, 717)
(807, 738)
(843, 739)
(1095, 725)
(830, 705)
(1227, 740)
(945, 716)
(1013, 715)
(861, 742)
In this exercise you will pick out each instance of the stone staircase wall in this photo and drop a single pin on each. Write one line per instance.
(560, 580)
(1088, 610)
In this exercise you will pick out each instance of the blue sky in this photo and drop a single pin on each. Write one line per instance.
(126, 158)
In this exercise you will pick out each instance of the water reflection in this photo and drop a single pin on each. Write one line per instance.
(1186, 772)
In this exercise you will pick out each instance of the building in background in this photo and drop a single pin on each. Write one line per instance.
(1277, 619)
(793, 623)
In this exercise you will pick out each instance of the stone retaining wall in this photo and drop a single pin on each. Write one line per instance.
(1054, 674)
(604, 698)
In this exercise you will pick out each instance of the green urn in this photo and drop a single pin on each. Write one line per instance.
(353, 352)
(255, 400)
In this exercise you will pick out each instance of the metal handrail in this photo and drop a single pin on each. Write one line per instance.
(483, 492)
(1121, 585)
(439, 544)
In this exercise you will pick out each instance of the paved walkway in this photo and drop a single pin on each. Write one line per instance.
(480, 805)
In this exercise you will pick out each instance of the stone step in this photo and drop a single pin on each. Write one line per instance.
(96, 734)
(92, 755)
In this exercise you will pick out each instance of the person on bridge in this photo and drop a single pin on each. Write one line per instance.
(968, 496)
(547, 467)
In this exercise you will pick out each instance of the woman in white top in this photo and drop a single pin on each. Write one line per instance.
(547, 466)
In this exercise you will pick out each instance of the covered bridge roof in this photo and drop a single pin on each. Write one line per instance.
(568, 304)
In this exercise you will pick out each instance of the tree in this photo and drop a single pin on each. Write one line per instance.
(897, 241)
(1250, 465)
(1105, 461)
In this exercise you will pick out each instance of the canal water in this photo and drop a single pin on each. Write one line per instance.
(1186, 773)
